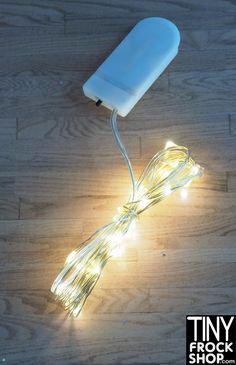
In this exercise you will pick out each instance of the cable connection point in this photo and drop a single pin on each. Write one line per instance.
(99, 102)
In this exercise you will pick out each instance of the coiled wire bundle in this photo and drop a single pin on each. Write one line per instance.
(169, 170)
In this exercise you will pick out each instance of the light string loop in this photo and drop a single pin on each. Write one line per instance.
(169, 170)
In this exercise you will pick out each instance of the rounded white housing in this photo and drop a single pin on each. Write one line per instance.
(134, 65)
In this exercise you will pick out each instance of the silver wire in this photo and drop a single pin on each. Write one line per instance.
(113, 121)
(169, 170)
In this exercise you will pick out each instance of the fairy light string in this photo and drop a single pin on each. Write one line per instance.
(170, 169)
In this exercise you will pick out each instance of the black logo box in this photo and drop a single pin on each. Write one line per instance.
(210, 339)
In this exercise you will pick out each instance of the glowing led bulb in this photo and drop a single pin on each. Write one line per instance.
(118, 251)
(76, 311)
(184, 193)
(130, 235)
(195, 170)
(96, 270)
(141, 191)
(84, 266)
(70, 257)
(166, 190)
(61, 287)
(116, 238)
(144, 203)
(169, 144)
(188, 183)
(115, 218)
(164, 173)
(174, 164)
(132, 226)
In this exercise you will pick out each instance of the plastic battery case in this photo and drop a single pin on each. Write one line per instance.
(134, 65)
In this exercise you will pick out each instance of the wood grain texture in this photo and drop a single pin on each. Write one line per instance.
(62, 177)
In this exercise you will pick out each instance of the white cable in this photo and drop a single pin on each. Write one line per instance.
(169, 170)
(113, 121)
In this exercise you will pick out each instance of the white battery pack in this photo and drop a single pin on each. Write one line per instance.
(134, 65)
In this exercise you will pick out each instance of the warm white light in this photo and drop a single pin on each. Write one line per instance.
(174, 164)
(141, 191)
(164, 174)
(184, 193)
(132, 226)
(188, 183)
(118, 251)
(144, 203)
(131, 234)
(61, 287)
(96, 270)
(76, 311)
(195, 170)
(70, 257)
(84, 266)
(116, 238)
(166, 190)
(169, 144)
(115, 218)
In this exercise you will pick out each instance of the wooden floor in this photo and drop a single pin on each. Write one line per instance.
(62, 177)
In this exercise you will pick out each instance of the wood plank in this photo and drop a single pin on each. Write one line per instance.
(81, 182)
(121, 300)
(183, 267)
(9, 30)
(209, 127)
(165, 124)
(210, 255)
(187, 15)
(160, 275)
(183, 275)
(49, 153)
(58, 43)
(219, 39)
(203, 60)
(60, 86)
(39, 85)
(144, 261)
(63, 127)
(70, 207)
(9, 202)
(113, 180)
(219, 82)
(7, 129)
(193, 242)
(95, 8)
(123, 24)
(232, 181)
(60, 63)
(200, 201)
(211, 224)
(186, 91)
(21, 14)
(7, 157)
(64, 345)
(132, 247)
(20, 230)
(191, 301)
(213, 157)
(20, 19)
(113, 30)
(232, 124)
(175, 102)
